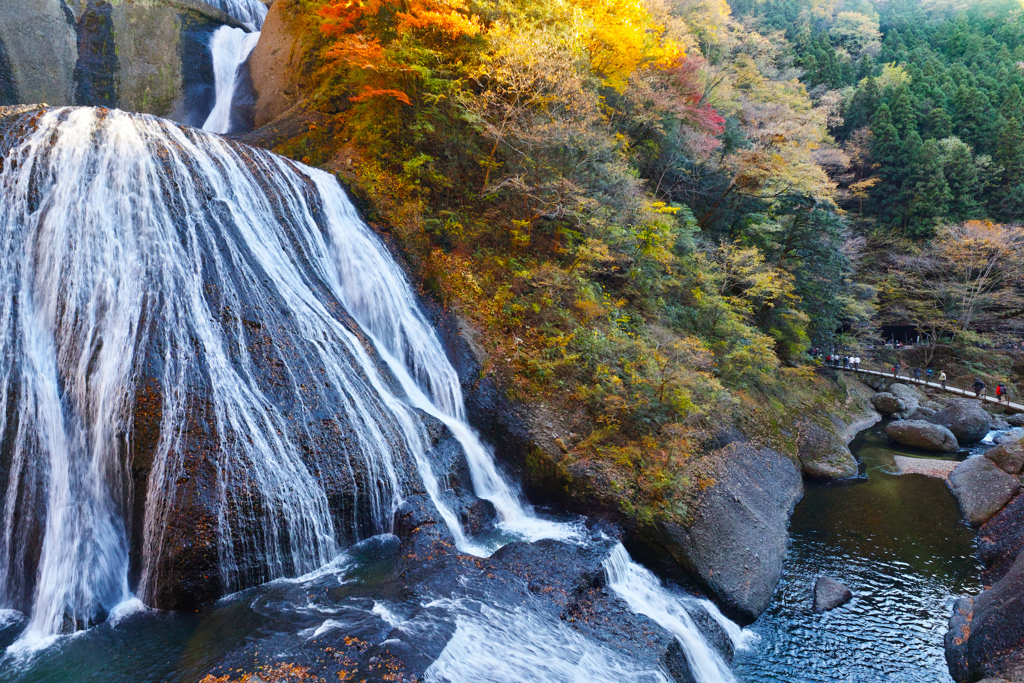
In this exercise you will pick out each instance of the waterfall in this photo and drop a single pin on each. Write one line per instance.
(209, 333)
(159, 280)
(230, 47)
(250, 13)
(378, 296)
(645, 595)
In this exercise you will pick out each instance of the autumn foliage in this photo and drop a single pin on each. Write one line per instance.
(621, 195)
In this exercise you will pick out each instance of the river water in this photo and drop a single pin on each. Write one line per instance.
(898, 542)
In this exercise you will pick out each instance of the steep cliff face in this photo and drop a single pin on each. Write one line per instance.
(149, 56)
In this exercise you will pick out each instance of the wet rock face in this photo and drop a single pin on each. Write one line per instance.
(921, 434)
(965, 418)
(986, 632)
(981, 488)
(1001, 540)
(150, 57)
(829, 594)
(737, 542)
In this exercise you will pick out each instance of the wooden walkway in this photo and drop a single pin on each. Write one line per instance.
(1012, 407)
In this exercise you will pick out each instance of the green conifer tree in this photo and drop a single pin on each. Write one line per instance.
(927, 192)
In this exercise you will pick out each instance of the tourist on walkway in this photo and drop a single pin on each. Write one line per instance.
(979, 387)
(929, 373)
(942, 378)
(917, 374)
(856, 363)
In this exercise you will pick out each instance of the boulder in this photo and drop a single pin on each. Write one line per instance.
(1008, 456)
(823, 455)
(965, 418)
(911, 395)
(889, 404)
(878, 382)
(1016, 420)
(981, 488)
(737, 540)
(921, 434)
(921, 413)
(986, 632)
(829, 594)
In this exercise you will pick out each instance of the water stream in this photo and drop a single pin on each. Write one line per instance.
(898, 542)
(229, 47)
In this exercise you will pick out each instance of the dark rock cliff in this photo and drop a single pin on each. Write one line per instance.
(150, 57)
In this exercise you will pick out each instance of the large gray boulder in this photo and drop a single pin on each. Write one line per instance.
(981, 488)
(921, 434)
(1008, 455)
(910, 395)
(921, 413)
(986, 632)
(965, 418)
(829, 594)
(1016, 420)
(889, 404)
(736, 543)
(823, 455)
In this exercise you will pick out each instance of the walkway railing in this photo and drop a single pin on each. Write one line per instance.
(950, 387)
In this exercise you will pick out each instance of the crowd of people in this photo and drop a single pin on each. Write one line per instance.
(852, 362)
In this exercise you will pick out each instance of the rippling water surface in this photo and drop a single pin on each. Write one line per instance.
(897, 541)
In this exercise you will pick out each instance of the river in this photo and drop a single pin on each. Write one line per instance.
(898, 542)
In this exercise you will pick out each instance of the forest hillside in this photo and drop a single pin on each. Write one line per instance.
(652, 211)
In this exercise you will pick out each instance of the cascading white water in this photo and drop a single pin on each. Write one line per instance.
(378, 296)
(645, 595)
(230, 47)
(251, 13)
(133, 247)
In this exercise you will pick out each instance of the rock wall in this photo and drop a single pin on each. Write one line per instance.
(986, 631)
(148, 56)
(275, 68)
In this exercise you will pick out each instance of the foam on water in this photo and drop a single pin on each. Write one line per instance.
(644, 593)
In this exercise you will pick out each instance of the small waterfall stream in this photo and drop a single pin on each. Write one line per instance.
(143, 259)
(229, 48)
